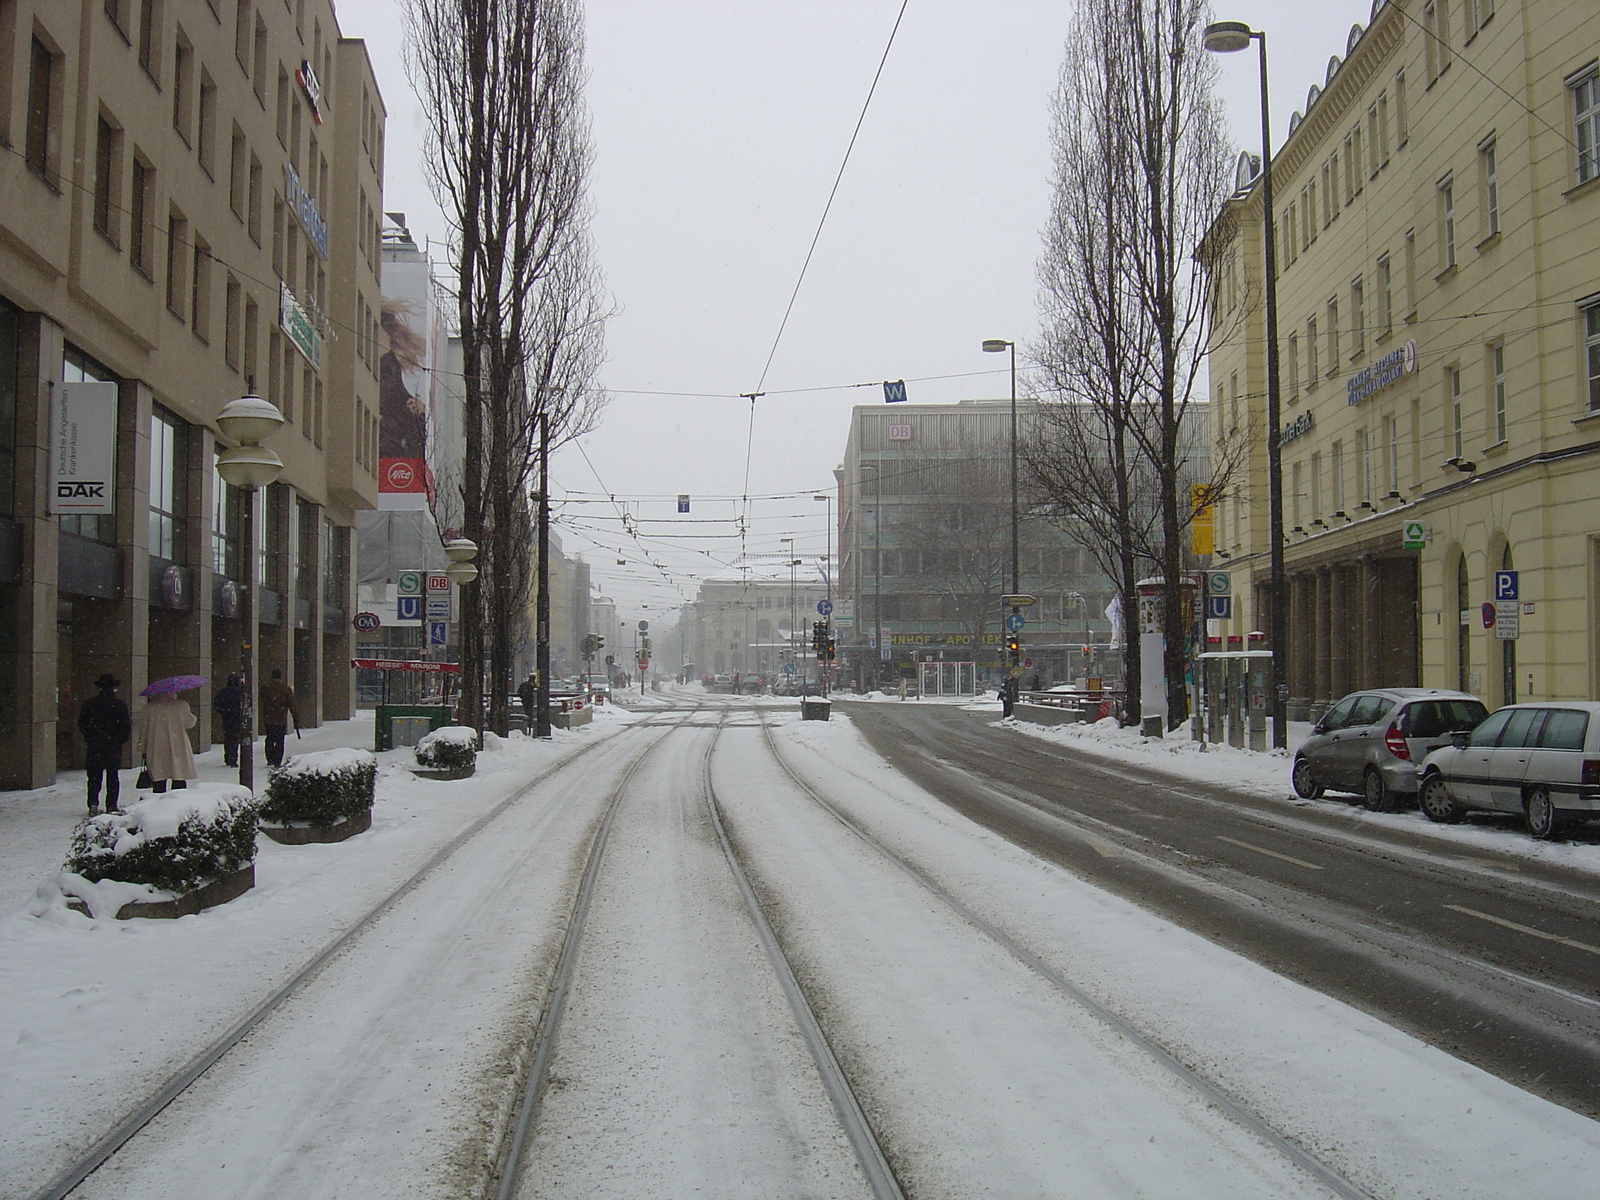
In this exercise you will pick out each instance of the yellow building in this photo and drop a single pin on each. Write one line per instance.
(1438, 250)
(189, 203)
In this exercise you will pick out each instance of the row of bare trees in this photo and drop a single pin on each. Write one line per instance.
(509, 157)
(1141, 176)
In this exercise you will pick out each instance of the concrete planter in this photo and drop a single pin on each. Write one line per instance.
(218, 891)
(445, 772)
(307, 835)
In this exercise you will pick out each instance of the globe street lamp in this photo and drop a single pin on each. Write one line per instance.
(248, 467)
(995, 346)
(1226, 37)
(460, 569)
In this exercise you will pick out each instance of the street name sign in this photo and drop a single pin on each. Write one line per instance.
(1020, 600)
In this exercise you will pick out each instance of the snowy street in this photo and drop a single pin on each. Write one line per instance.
(583, 965)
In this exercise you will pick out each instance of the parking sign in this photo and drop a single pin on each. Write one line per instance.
(1505, 585)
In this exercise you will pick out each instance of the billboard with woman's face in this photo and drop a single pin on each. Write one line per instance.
(405, 380)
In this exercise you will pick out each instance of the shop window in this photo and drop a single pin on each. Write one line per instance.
(169, 483)
(305, 562)
(227, 528)
(10, 332)
(335, 564)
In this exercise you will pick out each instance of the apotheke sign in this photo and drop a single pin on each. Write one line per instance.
(1381, 374)
(305, 208)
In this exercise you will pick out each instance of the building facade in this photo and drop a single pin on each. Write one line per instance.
(939, 475)
(190, 204)
(752, 624)
(1438, 247)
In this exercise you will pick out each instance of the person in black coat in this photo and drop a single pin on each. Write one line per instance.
(529, 694)
(106, 727)
(228, 704)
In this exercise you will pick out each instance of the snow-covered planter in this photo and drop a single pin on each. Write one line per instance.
(191, 848)
(448, 753)
(325, 796)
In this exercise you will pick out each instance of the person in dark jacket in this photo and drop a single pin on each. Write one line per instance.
(529, 694)
(107, 727)
(228, 704)
(277, 706)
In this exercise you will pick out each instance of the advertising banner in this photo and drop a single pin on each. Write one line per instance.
(405, 383)
(83, 448)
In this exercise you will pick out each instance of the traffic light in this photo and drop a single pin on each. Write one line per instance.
(1013, 645)
(819, 636)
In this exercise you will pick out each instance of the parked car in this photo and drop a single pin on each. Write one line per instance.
(1371, 743)
(1539, 760)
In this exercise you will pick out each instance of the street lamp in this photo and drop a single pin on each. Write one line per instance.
(249, 467)
(995, 346)
(825, 670)
(1226, 37)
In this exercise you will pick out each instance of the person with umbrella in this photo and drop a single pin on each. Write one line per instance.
(106, 728)
(277, 706)
(228, 704)
(164, 732)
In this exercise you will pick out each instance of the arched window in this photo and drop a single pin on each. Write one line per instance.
(1463, 626)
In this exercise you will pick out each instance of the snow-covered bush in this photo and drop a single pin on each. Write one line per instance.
(450, 748)
(321, 788)
(176, 841)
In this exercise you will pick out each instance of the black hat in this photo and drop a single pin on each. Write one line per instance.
(108, 681)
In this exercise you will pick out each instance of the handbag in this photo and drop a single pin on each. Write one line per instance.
(144, 780)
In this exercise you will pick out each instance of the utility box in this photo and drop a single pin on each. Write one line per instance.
(406, 724)
(815, 708)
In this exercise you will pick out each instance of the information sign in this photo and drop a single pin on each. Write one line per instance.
(1218, 583)
(1507, 621)
(436, 633)
(1014, 622)
(824, 608)
(1219, 608)
(409, 583)
(1505, 585)
(1414, 536)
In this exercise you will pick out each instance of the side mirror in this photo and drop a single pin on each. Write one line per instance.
(1460, 737)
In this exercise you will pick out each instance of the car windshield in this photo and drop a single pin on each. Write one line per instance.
(1438, 718)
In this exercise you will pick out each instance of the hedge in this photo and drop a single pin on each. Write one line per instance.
(322, 788)
(450, 748)
(176, 841)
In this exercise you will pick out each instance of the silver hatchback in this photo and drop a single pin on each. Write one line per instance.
(1371, 743)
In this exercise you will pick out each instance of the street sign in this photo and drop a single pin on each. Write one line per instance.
(1218, 583)
(438, 583)
(409, 583)
(1027, 662)
(824, 608)
(1414, 536)
(788, 668)
(1489, 614)
(1014, 623)
(437, 607)
(1020, 600)
(408, 608)
(894, 392)
(643, 625)
(683, 503)
(1219, 608)
(1507, 621)
(366, 622)
(436, 633)
(1505, 585)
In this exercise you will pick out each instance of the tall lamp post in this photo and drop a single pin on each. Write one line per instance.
(1227, 37)
(249, 420)
(460, 569)
(825, 669)
(995, 346)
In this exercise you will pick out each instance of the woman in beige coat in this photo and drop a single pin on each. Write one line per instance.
(164, 741)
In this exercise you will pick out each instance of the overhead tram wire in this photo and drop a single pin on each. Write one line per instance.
(812, 249)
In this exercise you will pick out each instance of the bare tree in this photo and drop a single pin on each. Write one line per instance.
(509, 158)
(1141, 174)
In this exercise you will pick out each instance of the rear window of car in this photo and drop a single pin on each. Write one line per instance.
(1436, 718)
(1368, 710)
(1564, 729)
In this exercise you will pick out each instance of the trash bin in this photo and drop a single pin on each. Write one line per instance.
(815, 708)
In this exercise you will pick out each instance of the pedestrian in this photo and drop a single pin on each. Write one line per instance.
(529, 695)
(228, 704)
(277, 706)
(164, 742)
(106, 728)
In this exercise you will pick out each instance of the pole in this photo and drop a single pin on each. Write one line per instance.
(1013, 681)
(1278, 607)
(877, 568)
(247, 647)
(541, 651)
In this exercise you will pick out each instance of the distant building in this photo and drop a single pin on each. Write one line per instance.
(191, 210)
(939, 475)
(752, 624)
(1438, 249)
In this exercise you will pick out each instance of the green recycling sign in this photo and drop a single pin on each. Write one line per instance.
(1414, 536)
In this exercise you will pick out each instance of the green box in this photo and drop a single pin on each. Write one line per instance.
(438, 715)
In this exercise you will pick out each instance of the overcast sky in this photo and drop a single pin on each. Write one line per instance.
(719, 126)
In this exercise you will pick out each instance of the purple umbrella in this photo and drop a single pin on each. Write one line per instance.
(173, 684)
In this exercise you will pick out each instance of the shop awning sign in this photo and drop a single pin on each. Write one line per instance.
(83, 448)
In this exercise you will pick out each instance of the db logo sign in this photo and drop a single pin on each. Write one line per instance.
(899, 433)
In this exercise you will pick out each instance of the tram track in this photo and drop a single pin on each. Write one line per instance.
(103, 1150)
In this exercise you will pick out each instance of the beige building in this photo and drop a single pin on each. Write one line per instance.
(751, 624)
(1438, 248)
(189, 204)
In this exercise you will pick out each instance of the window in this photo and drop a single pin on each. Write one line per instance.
(1392, 426)
(1411, 274)
(1452, 387)
(1374, 141)
(254, 223)
(1316, 487)
(1380, 139)
(1308, 200)
(1402, 128)
(233, 298)
(260, 72)
(177, 253)
(1586, 110)
(1330, 195)
(227, 528)
(1355, 156)
(1447, 223)
(1233, 405)
(285, 99)
(241, 35)
(1311, 352)
(206, 131)
(117, 11)
(139, 239)
(149, 35)
(1292, 354)
(1358, 318)
(40, 149)
(1296, 493)
(1497, 390)
(200, 289)
(183, 87)
(1363, 470)
(108, 180)
(305, 574)
(238, 174)
(1384, 322)
(1591, 346)
(335, 564)
(1490, 171)
(1333, 336)
(169, 467)
(252, 334)
(1336, 476)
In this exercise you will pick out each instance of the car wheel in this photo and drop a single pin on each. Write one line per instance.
(1375, 793)
(1544, 819)
(1437, 802)
(1306, 785)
